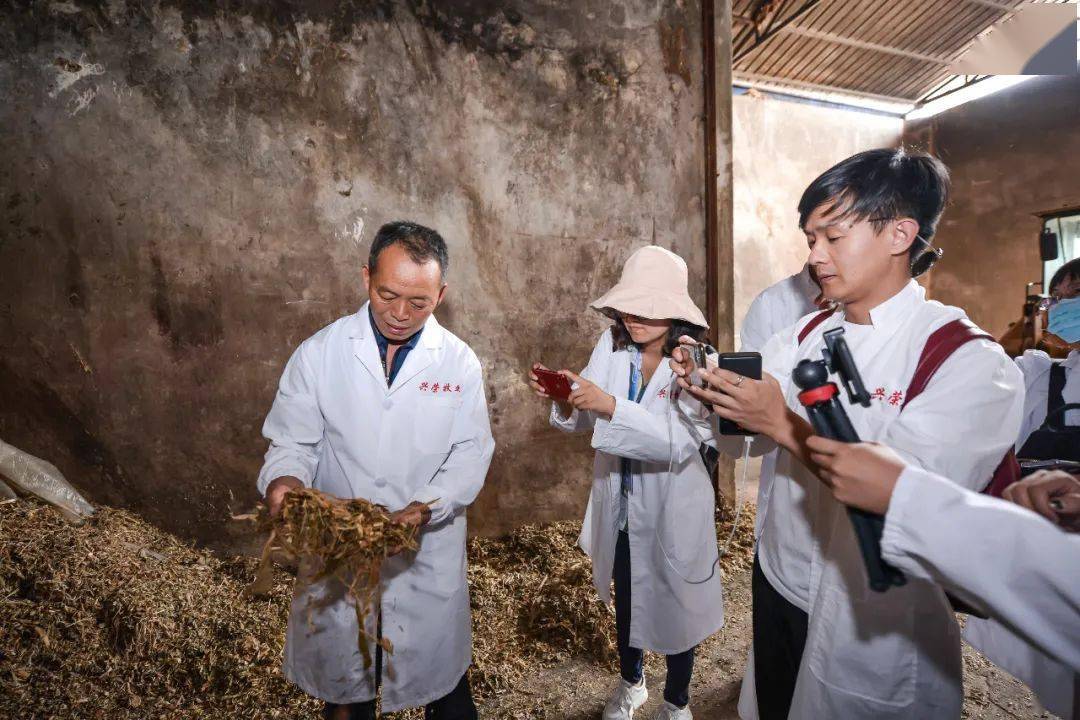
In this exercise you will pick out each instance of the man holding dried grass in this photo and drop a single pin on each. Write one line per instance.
(388, 406)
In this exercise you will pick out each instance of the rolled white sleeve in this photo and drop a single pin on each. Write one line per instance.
(461, 476)
(1017, 566)
(635, 433)
(1035, 367)
(576, 422)
(966, 420)
(294, 425)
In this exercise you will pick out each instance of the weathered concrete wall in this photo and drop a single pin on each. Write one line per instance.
(1012, 155)
(189, 191)
(780, 147)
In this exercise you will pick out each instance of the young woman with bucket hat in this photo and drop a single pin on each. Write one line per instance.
(649, 525)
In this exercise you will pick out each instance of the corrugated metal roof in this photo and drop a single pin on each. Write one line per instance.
(890, 50)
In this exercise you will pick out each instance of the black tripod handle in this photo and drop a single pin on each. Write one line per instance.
(831, 421)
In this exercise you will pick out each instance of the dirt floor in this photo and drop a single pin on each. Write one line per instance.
(577, 690)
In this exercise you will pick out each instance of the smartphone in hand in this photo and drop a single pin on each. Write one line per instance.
(555, 384)
(747, 364)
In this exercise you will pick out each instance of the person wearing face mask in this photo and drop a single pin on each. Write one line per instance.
(1051, 428)
(1050, 432)
(649, 523)
(943, 394)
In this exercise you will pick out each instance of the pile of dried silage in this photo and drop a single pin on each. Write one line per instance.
(117, 619)
(343, 540)
(740, 553)
(534, 603)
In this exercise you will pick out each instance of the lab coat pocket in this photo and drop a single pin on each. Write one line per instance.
(432, 424)
(439, 565)
(685, 530)
(865, 649)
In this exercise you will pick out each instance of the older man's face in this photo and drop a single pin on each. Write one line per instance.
(403, 292)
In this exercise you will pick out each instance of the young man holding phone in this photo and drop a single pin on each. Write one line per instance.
(825, 645)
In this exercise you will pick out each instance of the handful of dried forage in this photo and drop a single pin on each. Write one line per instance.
(346, 540)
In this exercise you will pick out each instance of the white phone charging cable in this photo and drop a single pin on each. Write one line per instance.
(738, 506)
(747, 440)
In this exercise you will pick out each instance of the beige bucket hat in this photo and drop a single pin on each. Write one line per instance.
(653, 286)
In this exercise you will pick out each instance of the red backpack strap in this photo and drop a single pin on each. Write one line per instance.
(814, 322)
(939, 347)
(1005, 475)
(941, 344)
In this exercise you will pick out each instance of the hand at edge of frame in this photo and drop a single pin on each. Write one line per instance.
(862, 475)
(1054, 494)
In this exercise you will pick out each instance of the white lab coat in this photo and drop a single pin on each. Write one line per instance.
(1051, 681)
(895, 654)
(1035, 364)
(677, 596)
(1023, 572)
(779, 306)
(337, 427)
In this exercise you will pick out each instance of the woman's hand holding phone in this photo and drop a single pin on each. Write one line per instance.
(534, 381)
(682, 364)
(565, 408)
(1054, 494)
(588, 396)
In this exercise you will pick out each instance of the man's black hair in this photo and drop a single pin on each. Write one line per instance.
(882, 185)
(422, 244)
(1069, 270)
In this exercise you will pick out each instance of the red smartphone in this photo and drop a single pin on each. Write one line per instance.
(554, 384)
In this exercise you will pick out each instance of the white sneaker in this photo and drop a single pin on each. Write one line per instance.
(625, 699)
(667, 711)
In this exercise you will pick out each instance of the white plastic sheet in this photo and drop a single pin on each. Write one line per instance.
(34, 476)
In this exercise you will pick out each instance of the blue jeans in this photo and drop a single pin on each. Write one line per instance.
(679, 667)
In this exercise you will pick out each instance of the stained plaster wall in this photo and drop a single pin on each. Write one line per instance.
(188, 190)
(1012, 156)
(780, 146)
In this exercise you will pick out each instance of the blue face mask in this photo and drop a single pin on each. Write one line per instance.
(1065, 319)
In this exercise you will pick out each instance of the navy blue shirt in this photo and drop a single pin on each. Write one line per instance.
(399, 356)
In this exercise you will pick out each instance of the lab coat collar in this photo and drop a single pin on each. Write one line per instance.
(662, 377)
(894, 311)
(367, 351)
(431, 336)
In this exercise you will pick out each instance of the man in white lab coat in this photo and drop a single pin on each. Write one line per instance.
(869, 221)
(388, 406)
(779, 306)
